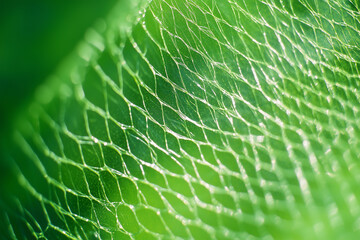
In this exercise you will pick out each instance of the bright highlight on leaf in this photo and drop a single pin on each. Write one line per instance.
(201, 119)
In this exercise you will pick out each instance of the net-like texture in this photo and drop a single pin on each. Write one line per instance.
(209, 120)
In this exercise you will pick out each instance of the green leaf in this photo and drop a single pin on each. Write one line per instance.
(197, 119)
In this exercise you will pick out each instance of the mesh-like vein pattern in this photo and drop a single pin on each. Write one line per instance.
(209, 120)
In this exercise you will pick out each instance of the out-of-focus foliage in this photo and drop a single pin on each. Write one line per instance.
(35, 37)
(197, 119)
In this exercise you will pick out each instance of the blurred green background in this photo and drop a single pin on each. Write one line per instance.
(35, 36)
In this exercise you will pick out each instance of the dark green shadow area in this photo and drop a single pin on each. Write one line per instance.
(35, 37)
